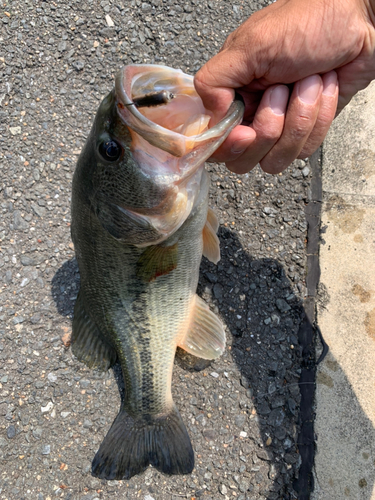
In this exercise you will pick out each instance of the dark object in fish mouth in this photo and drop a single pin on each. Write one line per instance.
(152, 99)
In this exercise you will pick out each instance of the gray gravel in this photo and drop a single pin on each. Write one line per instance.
(57, 60)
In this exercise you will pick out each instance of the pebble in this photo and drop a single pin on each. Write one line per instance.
(18, 221)
(35, 319)
(223, 489)
(240, 420)
(18, 319)
(39, 210)
(109, 21)
(15, 130)
(11, 431)
(276, 417)
(62, 46)
(218, 291)
(25, 282)
(306, 171)
(209, 434)
(78, 65)
(37, 433)
(47, 408)
(46, 449)
(282, 305)
(27, 260)
(52, 377)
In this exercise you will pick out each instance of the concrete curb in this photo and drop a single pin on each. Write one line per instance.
(306, 335)
(345, 398)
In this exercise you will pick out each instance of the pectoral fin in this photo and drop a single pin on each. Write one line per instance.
(205, 337)
(157, 261)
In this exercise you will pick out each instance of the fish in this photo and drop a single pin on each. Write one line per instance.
(140, 225)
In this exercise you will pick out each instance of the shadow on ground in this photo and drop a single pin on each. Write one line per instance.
(265, 319)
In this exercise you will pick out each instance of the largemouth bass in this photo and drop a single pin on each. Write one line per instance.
(140, 224)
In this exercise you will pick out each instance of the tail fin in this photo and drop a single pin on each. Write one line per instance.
(132, 444)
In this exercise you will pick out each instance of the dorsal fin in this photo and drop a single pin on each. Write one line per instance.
(211, 244)
(213, 220)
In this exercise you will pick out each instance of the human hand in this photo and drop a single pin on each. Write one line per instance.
(296, 63)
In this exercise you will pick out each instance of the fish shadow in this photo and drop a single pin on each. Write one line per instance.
(274, 345)
(276, 360)
(264, 316)
(65, 286)
(243, 291)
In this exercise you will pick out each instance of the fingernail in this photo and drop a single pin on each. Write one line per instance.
(330, 83)
(309, 88)
(279, 99)
(239, 146)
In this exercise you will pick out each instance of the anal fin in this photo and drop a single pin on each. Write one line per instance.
(88, 344)
(205, 337)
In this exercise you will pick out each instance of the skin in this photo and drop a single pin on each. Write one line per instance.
(297, 64)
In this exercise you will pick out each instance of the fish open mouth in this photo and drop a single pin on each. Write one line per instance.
(162, 106)
(170, 139)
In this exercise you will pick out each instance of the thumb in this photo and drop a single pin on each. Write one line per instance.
(215, 85)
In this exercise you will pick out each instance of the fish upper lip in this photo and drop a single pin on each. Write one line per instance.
(161, 137)
(172, 142)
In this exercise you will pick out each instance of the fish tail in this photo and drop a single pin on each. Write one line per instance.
(133, 443)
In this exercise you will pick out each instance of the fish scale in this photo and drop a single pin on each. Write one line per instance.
(146, 316)
(140, 223)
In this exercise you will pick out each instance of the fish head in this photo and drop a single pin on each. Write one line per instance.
(151, 138)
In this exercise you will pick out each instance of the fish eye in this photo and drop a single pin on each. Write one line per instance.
(110, 150)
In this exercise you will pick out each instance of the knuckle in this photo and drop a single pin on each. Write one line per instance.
(199, 82)
(309, 148)
(302, 128)
(269, 132)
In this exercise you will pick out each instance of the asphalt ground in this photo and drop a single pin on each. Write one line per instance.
(57, 61)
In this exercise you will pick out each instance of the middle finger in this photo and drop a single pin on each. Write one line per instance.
(300, 119)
